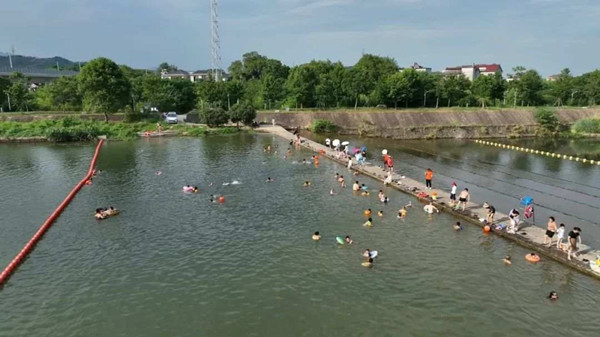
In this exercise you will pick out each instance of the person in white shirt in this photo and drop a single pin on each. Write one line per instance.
(453, 194)
(560, 235)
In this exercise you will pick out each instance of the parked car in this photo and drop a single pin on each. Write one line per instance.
(171, 118)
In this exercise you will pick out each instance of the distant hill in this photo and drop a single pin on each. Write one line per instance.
(30, 62)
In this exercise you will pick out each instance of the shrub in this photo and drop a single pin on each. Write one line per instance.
(214, 117)
(587, 125)
(547, 119)
(323, 126)
(242, 112)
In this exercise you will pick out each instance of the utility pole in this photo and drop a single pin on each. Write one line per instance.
(516, 94)
(57, 66)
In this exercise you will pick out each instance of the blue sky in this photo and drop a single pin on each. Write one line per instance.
(546, 35)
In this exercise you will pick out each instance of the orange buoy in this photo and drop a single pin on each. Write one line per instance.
(487, 229)
(221, 199)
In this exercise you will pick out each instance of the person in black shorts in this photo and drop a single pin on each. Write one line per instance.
(491, 211)
(574, 239)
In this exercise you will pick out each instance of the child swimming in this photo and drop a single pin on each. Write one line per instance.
(369, 223)
(316, 236)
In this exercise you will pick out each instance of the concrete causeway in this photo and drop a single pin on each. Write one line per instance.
(528, 236)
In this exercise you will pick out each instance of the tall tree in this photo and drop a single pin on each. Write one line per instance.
(372, 69)
(103, 86)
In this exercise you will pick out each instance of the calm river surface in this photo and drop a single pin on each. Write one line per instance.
(174, 264)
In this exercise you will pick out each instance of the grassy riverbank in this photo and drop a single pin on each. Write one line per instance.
(75, 129)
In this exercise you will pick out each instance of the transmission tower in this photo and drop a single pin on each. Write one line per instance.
(215, 45)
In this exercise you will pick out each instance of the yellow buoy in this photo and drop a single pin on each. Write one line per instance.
(565, 156)
(570, 157)
(536, 151)
(576, 158)
(592, 162)
(552, 155)
(584, 160)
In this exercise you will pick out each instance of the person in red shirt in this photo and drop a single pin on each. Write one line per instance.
(390, 163)
(428, 178)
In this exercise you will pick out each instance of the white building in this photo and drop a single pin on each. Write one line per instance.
(473, 71)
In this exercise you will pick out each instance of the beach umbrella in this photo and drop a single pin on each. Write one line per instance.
(384, 151)
(363, 149)
(336, 142)
(345, 143)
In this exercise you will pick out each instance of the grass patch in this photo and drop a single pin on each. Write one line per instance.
(586, 125)
(72, 129)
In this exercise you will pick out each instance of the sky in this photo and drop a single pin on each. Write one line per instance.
(546, 35)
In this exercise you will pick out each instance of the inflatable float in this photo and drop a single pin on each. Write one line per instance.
(340, 240)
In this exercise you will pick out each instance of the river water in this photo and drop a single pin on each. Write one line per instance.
(174, 264)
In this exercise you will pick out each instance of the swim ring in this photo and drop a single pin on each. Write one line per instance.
(339, 240)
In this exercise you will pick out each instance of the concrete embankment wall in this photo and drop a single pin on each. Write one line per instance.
(428, 124)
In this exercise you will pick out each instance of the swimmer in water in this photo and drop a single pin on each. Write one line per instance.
(402, 212)
(195, 189)
(342, 182)
(369, 223)
(269, 180)
(368, 263)
(457, 226)
(367, 253)
(507, 260)
(380, 213)
(306, 184)
(429, 209)
(332, 192)
(368, 212)
(355, 186)
(349, 240)
(110, 211)
(316, 236)
(553, 296)
(303, 161)
(99, 215)
(212, 198)
(158, 173)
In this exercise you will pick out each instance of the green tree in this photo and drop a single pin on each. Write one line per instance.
(455, 87)
(403, 86)
(60, 95)
(212, 93)
(590, 87)
(242, 112)
(4, 85)
(272, 89)
(166, 67)
(20, 97)
(529, 86)
(488, 89)
(214, 117)
(371, 70)
(103, 86)
(560, 90)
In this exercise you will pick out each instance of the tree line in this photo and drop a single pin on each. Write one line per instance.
(263, 83)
